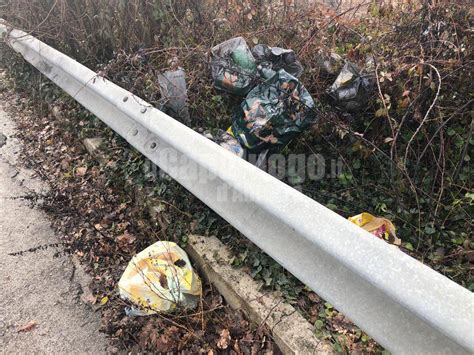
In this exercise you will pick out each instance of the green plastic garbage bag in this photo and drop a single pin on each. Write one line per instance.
(233, 67)
(273, 113)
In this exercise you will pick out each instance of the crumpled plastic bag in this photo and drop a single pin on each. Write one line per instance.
(159, 279)
(174, 94)
(233, 67)
(352, 89)
(329, 63)
(273, 113)
(277, 58)
(381, 227)
(226, 141)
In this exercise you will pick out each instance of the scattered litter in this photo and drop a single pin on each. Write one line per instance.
(158, 279)
(277, 58)
(27, 327)
(230, 143)
(233, 67)
(329, 64)
(104, 300)
(378, 226)
(226, 141)
(273, 113)
(174, 94)
(352, 89)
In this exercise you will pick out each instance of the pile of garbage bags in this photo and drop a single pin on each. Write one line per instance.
(276, 106)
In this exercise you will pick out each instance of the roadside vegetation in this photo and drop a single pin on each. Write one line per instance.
(406, 156)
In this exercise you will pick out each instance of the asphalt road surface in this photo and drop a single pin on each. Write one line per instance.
(41, 294)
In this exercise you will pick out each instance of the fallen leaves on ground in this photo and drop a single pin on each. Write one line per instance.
(103, 222)
(125, 242)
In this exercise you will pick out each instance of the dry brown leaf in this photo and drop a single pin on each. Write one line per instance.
(313, 297)
(27, 327)
(89, 298)
(224, 340)
(81, 171)
(125, 239)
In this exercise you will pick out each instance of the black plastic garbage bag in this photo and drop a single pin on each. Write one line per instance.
(352, 89)
(277, 58)
(273, 113)
(233, 67)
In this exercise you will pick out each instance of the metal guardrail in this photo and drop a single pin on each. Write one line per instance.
(406, 306)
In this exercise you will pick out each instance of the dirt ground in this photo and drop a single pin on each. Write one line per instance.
(41, 289)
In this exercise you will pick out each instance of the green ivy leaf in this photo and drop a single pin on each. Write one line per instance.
(429, 230)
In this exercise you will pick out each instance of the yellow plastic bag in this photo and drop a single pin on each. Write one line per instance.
(160, 278)
(378, 226)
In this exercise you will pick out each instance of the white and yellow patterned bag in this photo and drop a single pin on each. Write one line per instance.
(160, 278)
